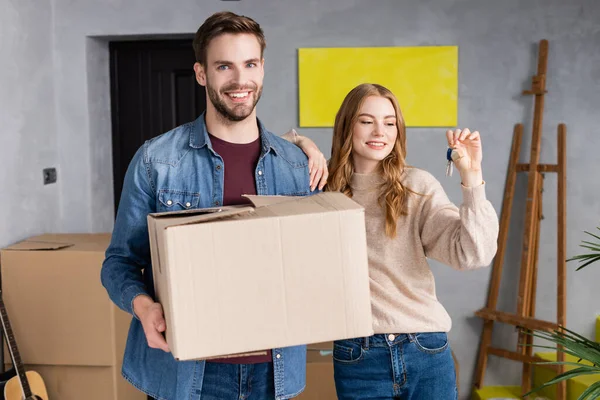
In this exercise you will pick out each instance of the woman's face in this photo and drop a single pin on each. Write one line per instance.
(374, 134)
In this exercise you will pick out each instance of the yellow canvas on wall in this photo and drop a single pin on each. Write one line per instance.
(424, 79)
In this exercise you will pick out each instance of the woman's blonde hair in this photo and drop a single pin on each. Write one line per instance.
(394, 194)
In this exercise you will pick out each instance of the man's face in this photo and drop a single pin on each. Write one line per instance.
(233, 75)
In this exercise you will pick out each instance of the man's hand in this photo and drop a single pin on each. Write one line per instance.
(151, 316)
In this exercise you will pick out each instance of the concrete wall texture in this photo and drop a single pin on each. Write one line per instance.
(55, 111)
(28, 138)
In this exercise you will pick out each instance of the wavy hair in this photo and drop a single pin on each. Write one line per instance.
(393, 194)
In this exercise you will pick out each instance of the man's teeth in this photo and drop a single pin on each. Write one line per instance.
(239, 95)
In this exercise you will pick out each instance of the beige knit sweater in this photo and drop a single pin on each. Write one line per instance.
(402, 284)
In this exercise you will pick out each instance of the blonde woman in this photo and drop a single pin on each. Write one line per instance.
(409, 219)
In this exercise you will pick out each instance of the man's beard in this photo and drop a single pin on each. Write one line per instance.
(238, 112)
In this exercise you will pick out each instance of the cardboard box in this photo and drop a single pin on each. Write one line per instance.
(82, 382)
(285, 272)
(65, 325)
(319, 373)
(319, 380)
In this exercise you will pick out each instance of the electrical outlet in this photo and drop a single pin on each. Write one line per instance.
(49, 175)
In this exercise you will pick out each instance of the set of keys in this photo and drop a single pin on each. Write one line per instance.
(451, 156)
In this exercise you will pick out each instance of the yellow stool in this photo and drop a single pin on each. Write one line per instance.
(497, 392)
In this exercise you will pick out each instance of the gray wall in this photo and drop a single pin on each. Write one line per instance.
(70, 124)
(28, 140)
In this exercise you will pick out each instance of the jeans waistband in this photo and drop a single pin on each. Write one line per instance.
(385, 340)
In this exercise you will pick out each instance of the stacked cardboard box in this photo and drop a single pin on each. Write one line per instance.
(65, 326)
(319, 373)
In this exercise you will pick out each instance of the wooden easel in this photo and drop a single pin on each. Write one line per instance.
(525, 316)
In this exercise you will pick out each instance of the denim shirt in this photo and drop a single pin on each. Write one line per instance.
(175, 171)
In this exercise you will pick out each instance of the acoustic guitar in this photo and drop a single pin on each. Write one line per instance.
(26, 385)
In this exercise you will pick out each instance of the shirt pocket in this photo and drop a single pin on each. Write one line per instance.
(177, 200)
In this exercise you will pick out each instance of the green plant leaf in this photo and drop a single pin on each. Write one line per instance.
(591, 234)
(560, 363)
(592, 244)
(586, 246)
(582, 257)
(565, 376)
(593, 392)
(589, 258)
(572, 343)
(588, 263)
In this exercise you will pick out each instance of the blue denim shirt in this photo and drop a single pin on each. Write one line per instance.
(175, 171)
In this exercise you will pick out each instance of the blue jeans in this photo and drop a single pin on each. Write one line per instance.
(238, 382)
(405, 366)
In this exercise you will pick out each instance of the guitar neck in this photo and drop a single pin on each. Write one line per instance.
(14, 351)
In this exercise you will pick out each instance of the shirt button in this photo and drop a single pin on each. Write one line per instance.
(260, 172)
(169, 202)
(391, 338)
(188, 204)
(216, 203)
(278, 356)
(218, 167)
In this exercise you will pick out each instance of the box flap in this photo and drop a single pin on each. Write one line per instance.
(97, 242)
(263, 201)
(188, 213)
(316, 204)
(164, 220)
(265, 206)
(327, 201)
(28, 245)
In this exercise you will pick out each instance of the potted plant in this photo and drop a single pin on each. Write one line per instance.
(583, 349)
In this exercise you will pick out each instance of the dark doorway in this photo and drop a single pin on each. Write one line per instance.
(153, 89)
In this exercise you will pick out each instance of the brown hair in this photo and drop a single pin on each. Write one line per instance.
(221, 23)
(394, 194)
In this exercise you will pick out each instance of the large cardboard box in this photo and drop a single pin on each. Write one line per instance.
(83, 382)
(65, 325)
(285, 272)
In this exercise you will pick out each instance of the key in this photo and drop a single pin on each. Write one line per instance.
(449, 164)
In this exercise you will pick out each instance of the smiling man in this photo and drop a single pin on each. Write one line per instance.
(210, 162)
